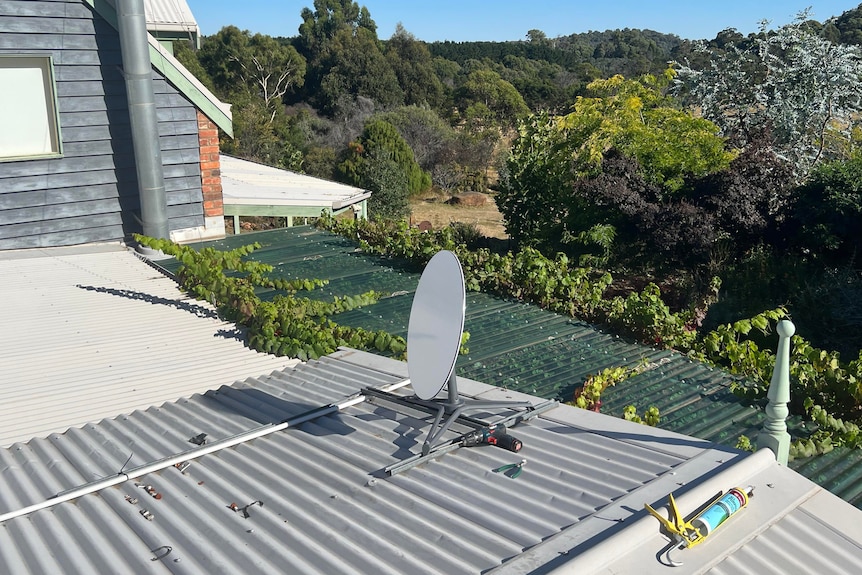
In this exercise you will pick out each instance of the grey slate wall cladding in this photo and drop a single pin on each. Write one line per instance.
(90, 194)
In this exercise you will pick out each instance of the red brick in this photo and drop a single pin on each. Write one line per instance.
(211, 181)
(213, 208)
(212, 185)
(209, 150)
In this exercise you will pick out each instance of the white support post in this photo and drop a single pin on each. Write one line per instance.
(774, 435)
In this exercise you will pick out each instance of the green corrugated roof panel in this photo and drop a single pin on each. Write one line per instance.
(524, 348)
(839, 471)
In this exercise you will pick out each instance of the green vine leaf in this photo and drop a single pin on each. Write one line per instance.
(818, 377)
(288, 325)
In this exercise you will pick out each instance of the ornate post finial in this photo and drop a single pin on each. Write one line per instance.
(774, 434)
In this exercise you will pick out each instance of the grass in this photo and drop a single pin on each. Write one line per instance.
(432, 207)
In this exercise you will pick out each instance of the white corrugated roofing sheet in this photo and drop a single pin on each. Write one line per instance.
(173, 15)
(93, 331)
(313, 498)
(248, 183)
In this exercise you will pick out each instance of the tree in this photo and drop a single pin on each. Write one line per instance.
(345, 62)
(387, 182)
(413, 66)
(259, 138)
(254, 73)
(849, 26)
(259, 65)
(539, 200)
(352, 67)
(535, 188)
(499, 100)
(806, 90)
(536, 36)
(381, 140)
(427, 134)
(638, 119)
(320, 25)
(828, 213)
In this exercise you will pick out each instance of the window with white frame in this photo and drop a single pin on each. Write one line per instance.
(29, 125)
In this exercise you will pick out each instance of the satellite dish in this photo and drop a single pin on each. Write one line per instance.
(433, 342)
(436, 324)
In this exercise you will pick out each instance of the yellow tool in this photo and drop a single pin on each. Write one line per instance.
(680, 530)
(693, 532)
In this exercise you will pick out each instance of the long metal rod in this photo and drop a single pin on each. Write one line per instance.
(161, 464)
(450, 445)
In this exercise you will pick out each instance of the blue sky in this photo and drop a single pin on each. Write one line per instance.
(464, 20)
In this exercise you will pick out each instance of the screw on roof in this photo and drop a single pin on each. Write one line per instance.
(234, 507)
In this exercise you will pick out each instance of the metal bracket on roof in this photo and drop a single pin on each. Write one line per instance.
(421, 408)
(199, 439)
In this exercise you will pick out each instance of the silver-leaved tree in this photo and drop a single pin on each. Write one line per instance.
(804, 90)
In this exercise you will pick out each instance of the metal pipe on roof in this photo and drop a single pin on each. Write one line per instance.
(137, 70)
(123, 476)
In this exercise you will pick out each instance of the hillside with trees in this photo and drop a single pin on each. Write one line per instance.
(739, 161)
(686, 194)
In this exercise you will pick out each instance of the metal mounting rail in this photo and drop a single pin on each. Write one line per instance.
(376, 396)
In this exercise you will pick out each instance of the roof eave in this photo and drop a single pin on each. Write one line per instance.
(177, 74)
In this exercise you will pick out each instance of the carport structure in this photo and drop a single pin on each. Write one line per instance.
(252, 189)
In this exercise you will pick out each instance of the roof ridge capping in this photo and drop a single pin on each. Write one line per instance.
(589, 547)
(177, 74)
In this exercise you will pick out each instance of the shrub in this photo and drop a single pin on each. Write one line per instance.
(382, 138)
(388, 186)
(829, 211)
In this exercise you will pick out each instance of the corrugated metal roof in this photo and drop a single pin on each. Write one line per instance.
(524, 348)
(250, 184)
(325, 506)
(93, 331)
(801, 530)
(173, 15)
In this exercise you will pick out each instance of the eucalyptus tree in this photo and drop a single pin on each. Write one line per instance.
(486, 97)
(258, 65)
(345, 61)
(412, 63)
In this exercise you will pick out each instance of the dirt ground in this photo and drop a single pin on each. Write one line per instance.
(433, 208)
(430, 207)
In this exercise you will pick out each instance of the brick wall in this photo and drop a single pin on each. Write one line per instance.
(210, 167)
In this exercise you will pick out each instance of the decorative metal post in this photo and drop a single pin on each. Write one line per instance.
(774, 434)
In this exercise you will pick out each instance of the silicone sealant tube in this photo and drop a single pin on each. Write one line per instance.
(729, 503)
